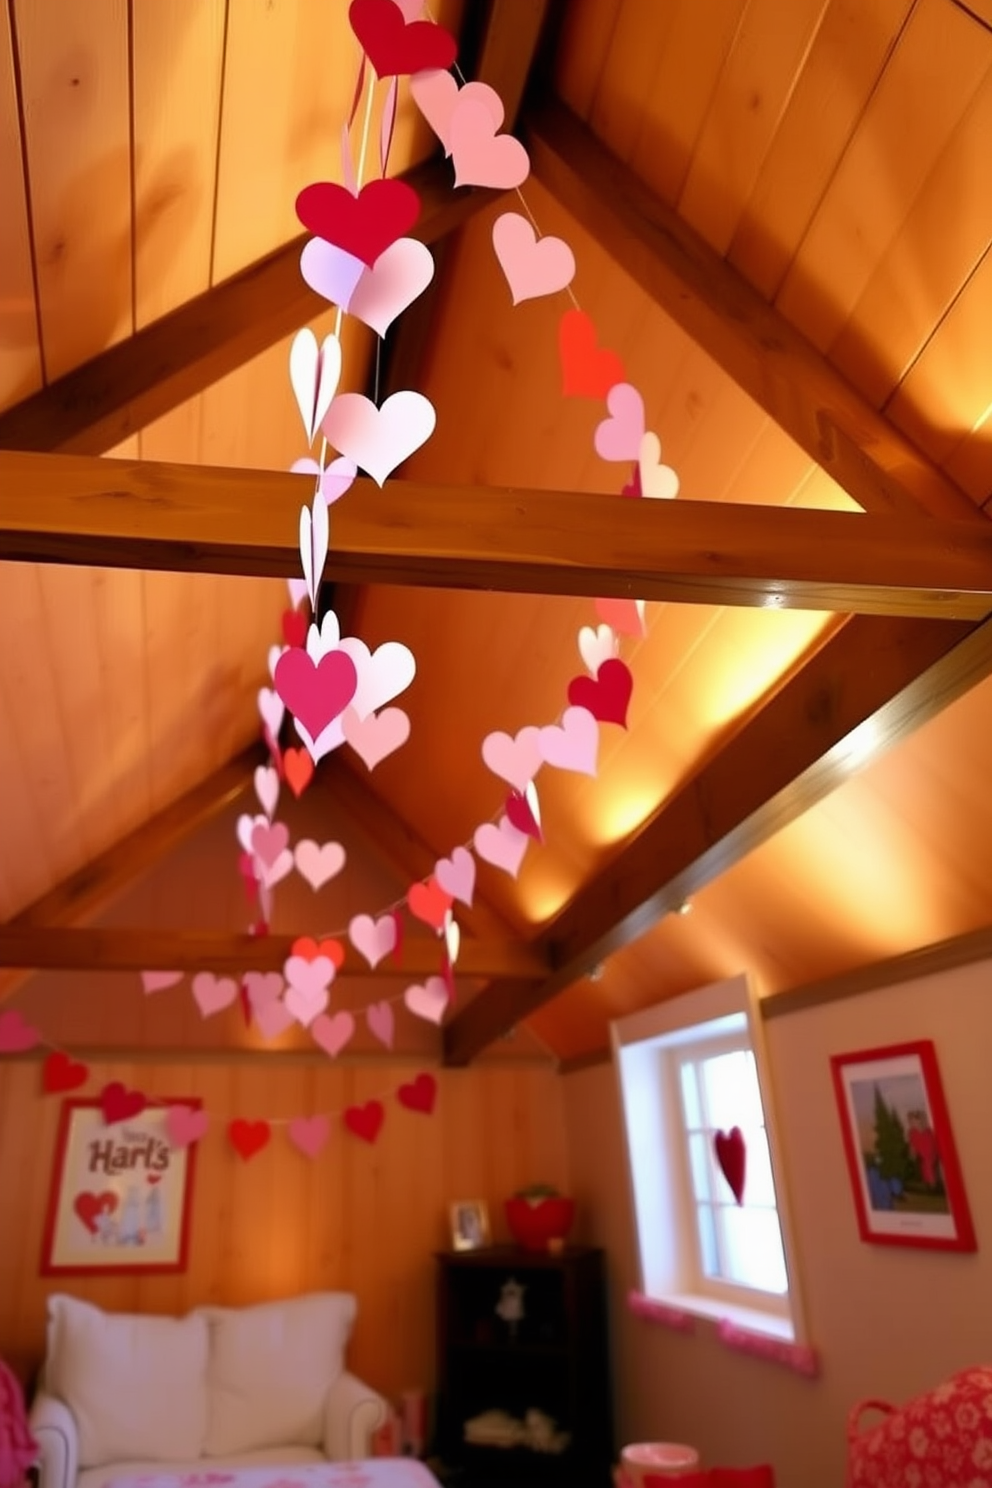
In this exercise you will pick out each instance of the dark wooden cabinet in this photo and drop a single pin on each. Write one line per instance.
(548, 1366)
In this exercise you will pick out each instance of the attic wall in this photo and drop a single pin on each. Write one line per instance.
(358, 1217)
(887, 1322)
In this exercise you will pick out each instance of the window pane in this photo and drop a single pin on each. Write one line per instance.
(708, 1253)
(758, 1185)
(690, 1095)
(751, 1248)
(730, 1090)
(699, 1164)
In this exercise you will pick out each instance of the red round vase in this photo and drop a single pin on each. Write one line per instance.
(534, 1222)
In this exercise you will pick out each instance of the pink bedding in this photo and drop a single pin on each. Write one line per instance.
(372, 1472)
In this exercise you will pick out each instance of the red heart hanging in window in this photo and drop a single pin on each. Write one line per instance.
(731, 1154)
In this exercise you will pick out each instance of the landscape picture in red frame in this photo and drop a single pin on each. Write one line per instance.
(899, 1146)
(121, 1194)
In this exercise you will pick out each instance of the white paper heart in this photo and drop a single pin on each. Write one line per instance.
(245, 829)
(318, 863)
(597, 646)
(272, 658)
(314, 372)
(382, 674)
(326, 638)
(658, 481)
(379, 439)
(267, 788)
(399, 275)
(314, 537)
(452, 937)
(297, 591)
(272, 710)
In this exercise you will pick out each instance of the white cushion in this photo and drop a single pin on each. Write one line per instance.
(118, 1473)
(270, 1371)
(136, 1385)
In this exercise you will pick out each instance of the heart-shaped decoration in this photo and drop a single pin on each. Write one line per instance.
(185, 1125)
(482, 157)
(399, 276)
(731, 1155)
(373, 939)
(336, 478)
(428, 1001)
(119, 1104)
(248, 1137)
(456, 875)
(245, 827)
(315, 694)
(314, 371)
(379, 1017)
(532, 267)
(272, 709)
(159, 981)
(330, 271)
(658, 481)
(314, 536)
(429, 902)
(396, 46)
(297, 588)
(323, 637)
(17, 1035)
(318, 863)
(307, 994)
(619, 436)
(574, 745)
(273, 1018)
(268, 840)
(309, 949)
(277, 871)
(309, 1134)
(363, 225)
(376, 737)
(436, 94)
(213, 993)
(419, 1094)
(596, 646)
(297, 766)
(633, 487)
(332, 1033)
(606, 696)
(382, 674)
(262, 987)
(587, 370)
(518, 811)
(515, 760)
(379, 439)
(503, 845)
(294, 630)
(365, 1121)
(60, 1073)
(625, 615)
(89, 1207)
(267, 788)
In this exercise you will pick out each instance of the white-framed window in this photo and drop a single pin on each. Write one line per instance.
(688, 1069)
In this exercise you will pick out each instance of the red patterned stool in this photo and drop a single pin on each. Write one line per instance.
(942, 1439)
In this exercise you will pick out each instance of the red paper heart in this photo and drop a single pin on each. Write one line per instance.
(395, 46)
(309, 949)
(517, 808)
(89, 1207)
(297, 766)
(587, 370)
(606, 695)
(294, 627)
(365, 1121)
(731, 1154)
(363, 225)
(429, 902)
(633, 486)
(118, 1104)
(622, 614)
(419, 1094)
(315, 693)
(59, 1073)
(248, 1137)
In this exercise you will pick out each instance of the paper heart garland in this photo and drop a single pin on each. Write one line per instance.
(159, 981)
(419, 1094)
(330, 271)
(658, 481)
(532, 267)
(309, 949)
(314, 371)
(619, 436)
(456, 875)
(318, 863)
(309, 1134)
(185, 1125)
(376, 737)
(624, 615)
(382, 674)
(399, 276)
(606, 696)
(373, 939)
(379, 439)
(365, 1121)
(315, 694)
(267, 788)
(268, 840)
(17, 1035)
(429, 902)
(314, 538)
(212, 993)
(731, 1154)
(379, 1017)
(515, 760)
(118, 1103)
(307, 993)
(437, 95)
(502, 845)
(248, 1137)
(587, 370)
(363, 225)
(332, 1033)
(297, 767)
(522, 815)
(396, 46)
(482, 157)
(596, 646)
(271, 708)
(429, 1000)
(60, 1073)
(574, 745)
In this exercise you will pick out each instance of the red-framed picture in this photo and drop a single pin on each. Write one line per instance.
(120, 1198)
(900, 1149)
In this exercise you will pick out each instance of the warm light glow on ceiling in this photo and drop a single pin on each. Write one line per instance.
(625, 809)
(766, 643)
(545, 890)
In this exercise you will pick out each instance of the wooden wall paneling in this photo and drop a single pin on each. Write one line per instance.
(26, 864)
(939, 64)
(20, 356)
(118, 601)
(638, 42)
(769, 49)
(918, 279)
(839, 73)
(583, 44)
(177, 56)
(74, 71)
(970, 461)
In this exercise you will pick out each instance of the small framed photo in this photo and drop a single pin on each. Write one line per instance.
(907, 1184)
(469, 1224)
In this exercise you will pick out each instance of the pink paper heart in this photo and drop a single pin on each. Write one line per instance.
(399, 276)
(428, 1001)
(268, 840)
(271, 706)
(379, 1017)
(482, 157)
(262, 987)
(330, 271)
(379, 439)
(332, 1033)
(574, 745)
(456, 875)
(624, 615)
(619, 436)
(382, 674)
(308, 1000)
(267, 788)
(158, 981)
(503, 845)
(374, 738)
(658, 482)
(212, 993)
(273, 1018)
(318, 863)
(309, 1134)
(17, 1035)
(280, 869)
(515, 760)
(596, 646)
(532, 268)
(185, 1125)
(373, 939)
(315, 694)
(338, 477)
(437, 94)
(245, 826)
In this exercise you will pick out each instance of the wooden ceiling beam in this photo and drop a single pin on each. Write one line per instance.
(869, 686)
(117, 513)
(755, 345)
(128, 949)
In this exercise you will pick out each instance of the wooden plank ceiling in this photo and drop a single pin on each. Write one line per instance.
(831, 159)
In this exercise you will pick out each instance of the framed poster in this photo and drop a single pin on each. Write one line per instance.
(120, 1195)
(900, 1150)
